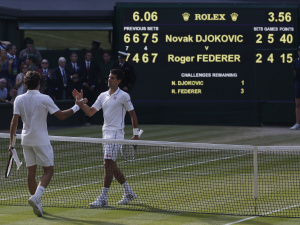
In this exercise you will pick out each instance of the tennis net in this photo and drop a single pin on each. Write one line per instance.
(167, 176)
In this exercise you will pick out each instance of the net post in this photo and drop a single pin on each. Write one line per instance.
(255, 178)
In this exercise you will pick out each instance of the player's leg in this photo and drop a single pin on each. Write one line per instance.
(108, 172)
(30, 160)
(101, 200)
(46, 178)
(129, 194)
(44, 157)
(31, 164)
(31, 182)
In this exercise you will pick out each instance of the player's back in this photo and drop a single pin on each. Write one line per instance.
(33, 108)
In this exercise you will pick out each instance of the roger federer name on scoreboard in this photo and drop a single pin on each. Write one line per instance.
(231, 58)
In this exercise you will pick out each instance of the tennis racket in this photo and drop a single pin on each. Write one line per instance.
(128, 152)
(11, 159)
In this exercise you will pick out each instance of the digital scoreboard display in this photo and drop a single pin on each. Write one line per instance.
(209, 53)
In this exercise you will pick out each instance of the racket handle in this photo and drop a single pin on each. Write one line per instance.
(14, 140)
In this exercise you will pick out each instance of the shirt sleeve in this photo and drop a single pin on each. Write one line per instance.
(16, 106)
(127, 102)
(51, 106)
(97, 105)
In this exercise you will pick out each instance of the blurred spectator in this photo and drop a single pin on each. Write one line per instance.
(90, 72)
(74, 70)
(5, 65)
(129, 78)
(3, 90)
(11, 55)
(13, 93)
(30, 61)
(97, 51)
(45, 74)
(105, 68)
(3, 44)
(20, 79)
(30, 49)
(59, 80)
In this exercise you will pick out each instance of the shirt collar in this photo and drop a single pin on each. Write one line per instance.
(115, 93)
(33, 91)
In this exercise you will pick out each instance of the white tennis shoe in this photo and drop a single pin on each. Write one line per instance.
(99, 203)
(127, 198)
(295, 127)
(36, 205)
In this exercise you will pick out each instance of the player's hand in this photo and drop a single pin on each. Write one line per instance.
(78, 96)
(10, 150)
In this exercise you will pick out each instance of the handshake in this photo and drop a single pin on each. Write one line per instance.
(79, 100)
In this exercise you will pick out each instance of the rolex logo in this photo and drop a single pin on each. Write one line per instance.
(186, 16)
(234, 16)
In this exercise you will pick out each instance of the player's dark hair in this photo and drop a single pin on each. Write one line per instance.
(32, 80)
(118, 73)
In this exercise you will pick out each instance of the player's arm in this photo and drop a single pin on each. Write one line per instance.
(135, 125)
(90, 111)
(13, 129)
(62, 115)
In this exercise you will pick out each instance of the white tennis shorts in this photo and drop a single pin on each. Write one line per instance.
(38, 155)
(110, 151)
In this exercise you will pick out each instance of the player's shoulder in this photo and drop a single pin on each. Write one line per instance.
(44, 98)
(122, 93)
(17, 99)
(103, 94)
(124, 96)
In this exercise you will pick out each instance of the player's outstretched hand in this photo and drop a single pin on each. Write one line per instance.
(78, 96)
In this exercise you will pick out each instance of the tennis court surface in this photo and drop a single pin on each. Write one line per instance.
(168, 176)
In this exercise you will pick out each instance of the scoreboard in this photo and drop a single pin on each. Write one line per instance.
(209, 52)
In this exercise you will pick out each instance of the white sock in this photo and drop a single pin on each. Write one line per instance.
(127, 189)
(104, 192)
(39, 191)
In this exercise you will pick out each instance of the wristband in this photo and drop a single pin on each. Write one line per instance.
(75, 108)
(136, 131)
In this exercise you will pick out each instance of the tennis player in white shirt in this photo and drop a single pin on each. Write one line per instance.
(33, 107)
(114, 104)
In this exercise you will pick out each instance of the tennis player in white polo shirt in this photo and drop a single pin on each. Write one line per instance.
(33, 107)
(114, 104)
